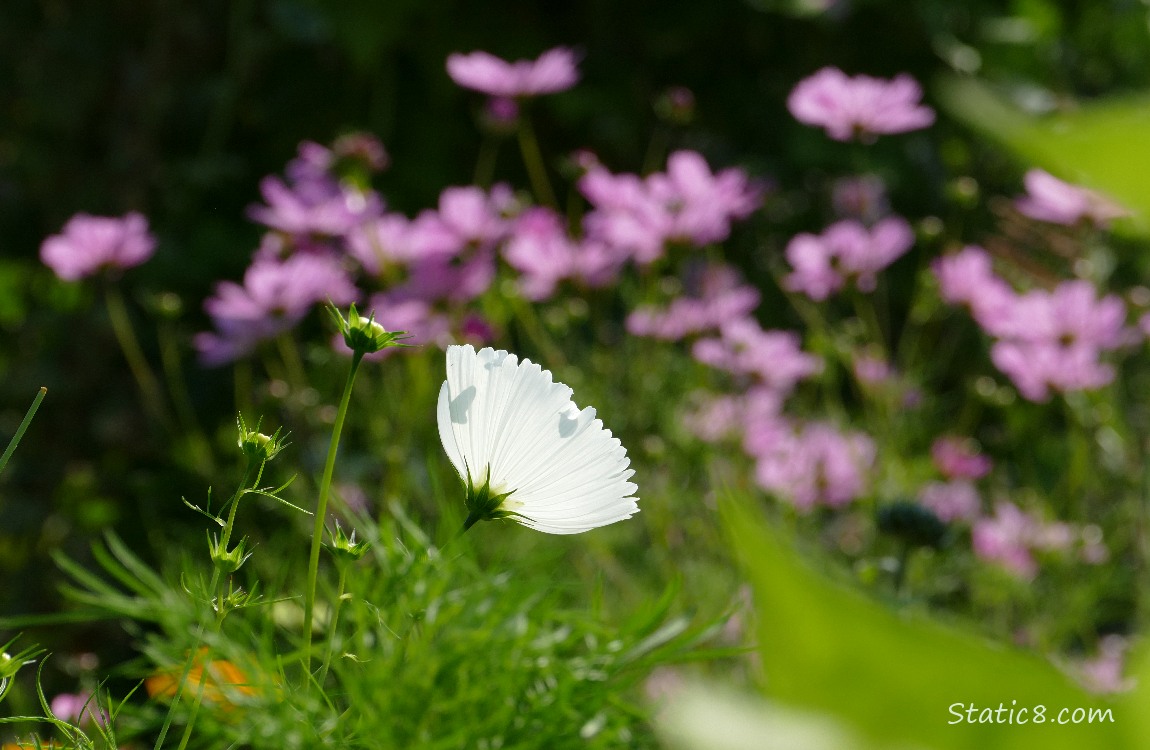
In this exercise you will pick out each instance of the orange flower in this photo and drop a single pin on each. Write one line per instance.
(224, 685)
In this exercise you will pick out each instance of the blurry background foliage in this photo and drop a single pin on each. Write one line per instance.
(177, 108)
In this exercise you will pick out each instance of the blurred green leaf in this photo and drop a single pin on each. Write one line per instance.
(894, 676)
(714, 717)
(1102, 145)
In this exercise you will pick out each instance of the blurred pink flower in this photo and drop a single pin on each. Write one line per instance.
(967, 278)
(1050, 199)
(1044, 340)
(719, 296)
(860, 106)
(1103, 673)
(1011, 537)
(274, 297)
(540, 249)
(88, 244)
(951, 501)
(687, 204)
(814, 464)
(822, 264)
(315, 200)
(871, 370)
(1004, 539)
(959, 459)
(554, 70)
(78, 708)
(776, 358)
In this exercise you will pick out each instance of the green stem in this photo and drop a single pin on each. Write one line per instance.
(485, 162)
(218, 586)
(137, 363)
(321, 509)
(533, 160)
(20, 430)
(332, 627)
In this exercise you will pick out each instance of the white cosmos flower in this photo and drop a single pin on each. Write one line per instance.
(525, 451)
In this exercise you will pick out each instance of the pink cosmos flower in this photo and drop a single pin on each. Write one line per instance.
(274, 297)
(540, 249)
(966, 278)
(1011, 537)
(714, 418)
(860, 107)
(78, 708)
(775, 358)
(1044, 340)
(1050, 199)
(716, 296)
(553, 71)
(847, 250)
(686, 204)
(89, 244)
(1103, 673)
(951, 501)
(314, 200)
(959, 459)
(813, 464)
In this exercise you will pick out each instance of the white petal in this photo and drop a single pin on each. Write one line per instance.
(567, 473)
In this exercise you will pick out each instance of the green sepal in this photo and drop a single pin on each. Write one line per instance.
(482, 504)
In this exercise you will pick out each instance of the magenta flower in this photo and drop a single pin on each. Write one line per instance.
(952, 501)
(966, 278)
(274, 297)
(1104, 672)
(716, 296)
(860, 107)
(1004, 539)
(540, 249)
(1050, 199)
(1012, 537)
(78, 708)
(813, 464)
(775, 358)
(687, 204)
(846, 250)
(90, 244)
(959, 459)
(553, 71)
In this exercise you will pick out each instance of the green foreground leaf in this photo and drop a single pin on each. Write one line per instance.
(894, 676)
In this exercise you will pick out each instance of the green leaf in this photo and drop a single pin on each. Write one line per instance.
(1101, 145)
(891, 675)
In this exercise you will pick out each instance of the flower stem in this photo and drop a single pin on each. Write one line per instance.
(206, 654)
(533, 160)
(137, 363)
(321, 509)
(20, 430)
(332, 626)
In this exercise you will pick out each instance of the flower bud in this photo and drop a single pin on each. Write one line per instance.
(257, 446)
(228, 561)
(344, 548)
(364, 335)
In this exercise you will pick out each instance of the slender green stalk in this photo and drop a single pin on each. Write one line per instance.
(331, 630)
(485, 162)
(533, 160)
(137, 363)
(321, 508)
(20, 430)
(217, 586)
